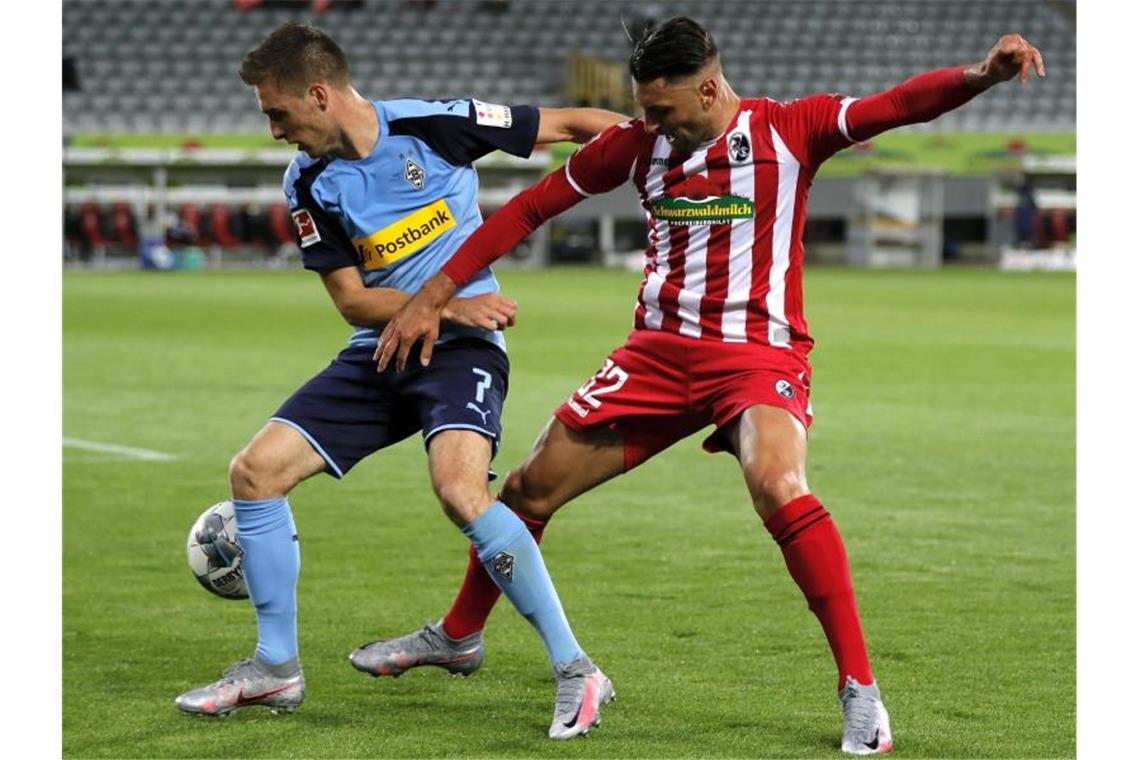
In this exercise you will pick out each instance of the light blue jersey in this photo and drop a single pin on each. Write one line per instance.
(399, 213)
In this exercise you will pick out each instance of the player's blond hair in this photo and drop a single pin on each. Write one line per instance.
(295, 56)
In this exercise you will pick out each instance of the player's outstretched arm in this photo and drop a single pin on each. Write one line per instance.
(933, 93)
(419, 318)
(374, 307)
(573, 124)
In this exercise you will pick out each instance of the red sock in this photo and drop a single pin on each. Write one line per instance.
(813, 551)
(478, 593)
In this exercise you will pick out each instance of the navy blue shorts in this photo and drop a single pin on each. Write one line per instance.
(350, 410)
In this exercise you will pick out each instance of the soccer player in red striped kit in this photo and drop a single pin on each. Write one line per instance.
(719, 332)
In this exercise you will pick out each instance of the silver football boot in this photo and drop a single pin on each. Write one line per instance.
(244, 684)
(866, 726)
(582, 690)
(427, 646)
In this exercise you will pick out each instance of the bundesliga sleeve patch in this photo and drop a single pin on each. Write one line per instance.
(306, 227)
(491, 115)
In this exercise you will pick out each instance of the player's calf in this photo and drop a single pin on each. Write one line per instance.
(526, 498)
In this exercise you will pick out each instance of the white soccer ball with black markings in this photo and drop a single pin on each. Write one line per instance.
(215, 554)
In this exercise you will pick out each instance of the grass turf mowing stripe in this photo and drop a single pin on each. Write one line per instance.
(124, 451)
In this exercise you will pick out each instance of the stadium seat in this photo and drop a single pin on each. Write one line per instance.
(280, 225)
(220, 227)
(190, 217)
(72, 231)
(123, 228)
(91, 229)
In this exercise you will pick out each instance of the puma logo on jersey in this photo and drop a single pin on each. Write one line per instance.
(481, 413)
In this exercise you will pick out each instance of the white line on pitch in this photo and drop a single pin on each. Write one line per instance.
(113, 448)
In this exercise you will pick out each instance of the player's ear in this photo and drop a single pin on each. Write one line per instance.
(708, 89)
(319, 93)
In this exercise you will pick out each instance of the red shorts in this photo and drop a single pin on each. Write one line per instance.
(660, 387)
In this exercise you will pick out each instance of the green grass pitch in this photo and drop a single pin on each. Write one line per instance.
(944, 445)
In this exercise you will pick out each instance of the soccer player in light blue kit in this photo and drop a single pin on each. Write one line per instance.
(382, 194)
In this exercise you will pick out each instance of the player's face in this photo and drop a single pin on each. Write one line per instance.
(677, 110)
(298, 120)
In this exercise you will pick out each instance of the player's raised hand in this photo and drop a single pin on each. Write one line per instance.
(1011, 57)
(418, 319)
(490, 311)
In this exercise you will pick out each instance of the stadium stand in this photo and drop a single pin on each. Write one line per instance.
(171, 66)
(137, 68)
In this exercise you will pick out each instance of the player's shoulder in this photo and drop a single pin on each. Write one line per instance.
(301, 162)
(632, 127)
(302, 169)
(398, 109)
(797, 114)
(629, 131)
(812, 100)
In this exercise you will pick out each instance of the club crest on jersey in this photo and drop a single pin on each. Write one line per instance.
(785, 389)
(491, 114)
(306, 227)
(739, 149)
(504, 564)
(414, 174)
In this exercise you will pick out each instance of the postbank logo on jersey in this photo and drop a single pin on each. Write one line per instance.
(406, 236)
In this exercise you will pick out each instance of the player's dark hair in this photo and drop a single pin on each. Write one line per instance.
(679, 47)
(294, 56)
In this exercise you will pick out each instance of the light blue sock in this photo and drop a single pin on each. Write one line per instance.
(271, 562)
(511, 558)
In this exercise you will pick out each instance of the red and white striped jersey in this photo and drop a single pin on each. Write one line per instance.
(725, 255)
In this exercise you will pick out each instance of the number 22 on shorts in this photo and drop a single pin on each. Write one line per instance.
(608, 379)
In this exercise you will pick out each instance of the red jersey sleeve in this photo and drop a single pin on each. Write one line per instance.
(920, 98)
(599, 166)
(606, 162)
(818, 126)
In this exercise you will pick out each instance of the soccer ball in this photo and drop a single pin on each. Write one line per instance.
(215, 554)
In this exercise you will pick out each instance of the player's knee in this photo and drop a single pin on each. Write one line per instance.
(460, 502)
(529, 495)
(252, 478)
(774, 488)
